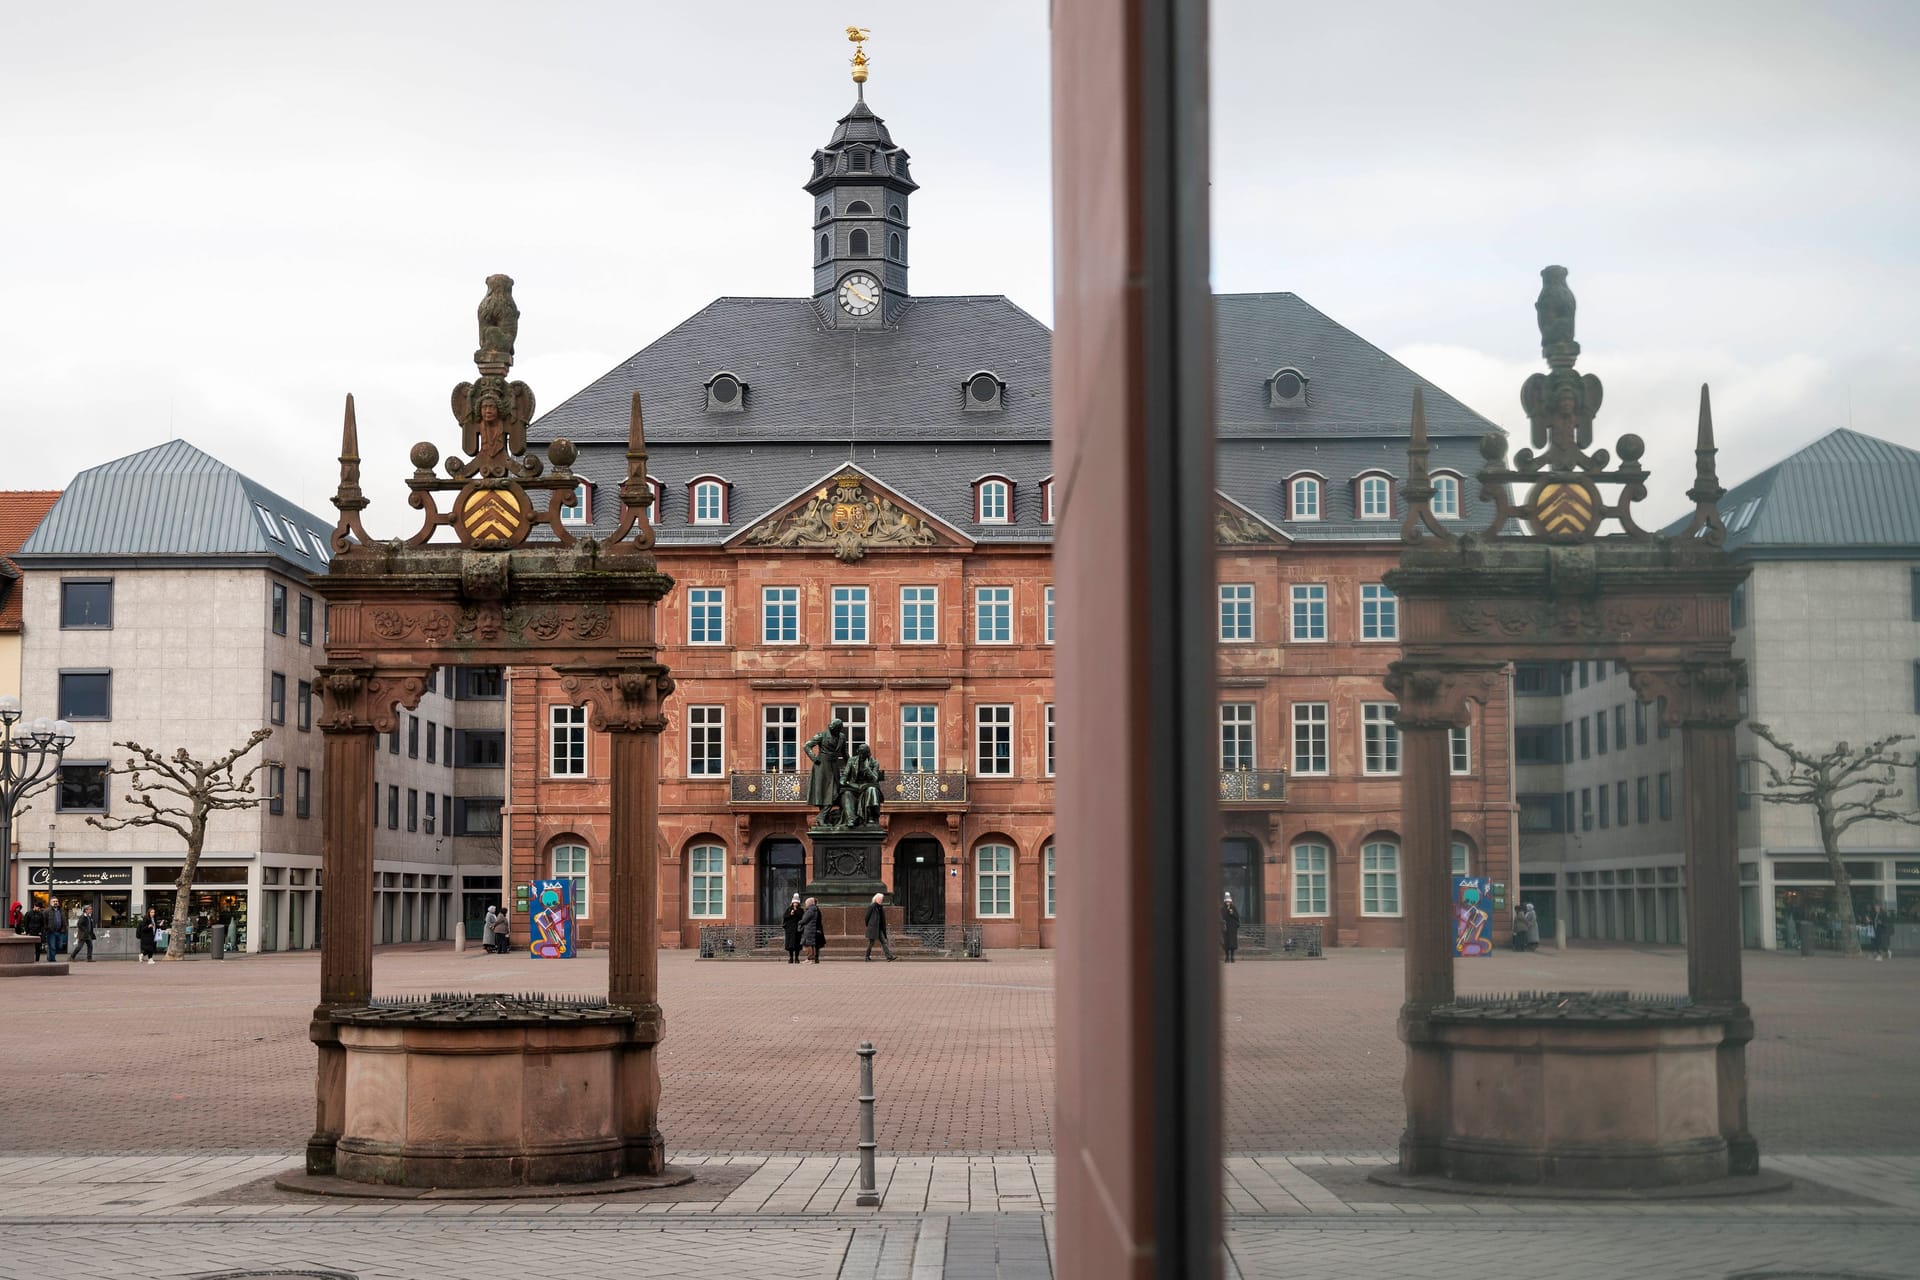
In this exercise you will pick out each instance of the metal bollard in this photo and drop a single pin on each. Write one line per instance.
(869, 1195)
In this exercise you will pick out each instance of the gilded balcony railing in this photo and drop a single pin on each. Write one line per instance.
(1253, 786)
(926, 789)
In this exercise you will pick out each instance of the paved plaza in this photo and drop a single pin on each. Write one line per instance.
(147, 1106)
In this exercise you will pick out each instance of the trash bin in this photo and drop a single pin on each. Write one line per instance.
(217, 942)
(1806, 937)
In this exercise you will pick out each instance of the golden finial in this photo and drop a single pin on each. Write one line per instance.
(859, 35)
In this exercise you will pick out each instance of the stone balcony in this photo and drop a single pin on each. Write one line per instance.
(929, 790)
(1253, 786)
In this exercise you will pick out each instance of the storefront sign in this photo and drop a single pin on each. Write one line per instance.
(82, 877)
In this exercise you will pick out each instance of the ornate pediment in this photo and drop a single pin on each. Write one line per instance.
(1234, 525)
(848, 515)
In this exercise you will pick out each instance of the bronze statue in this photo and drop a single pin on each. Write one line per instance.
(499, 319)
(1554, 310)
(828, 752)
(860, 783)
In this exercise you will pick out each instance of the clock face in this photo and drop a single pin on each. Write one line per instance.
(859, 294)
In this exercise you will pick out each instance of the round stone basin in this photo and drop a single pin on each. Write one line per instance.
(482, 1090)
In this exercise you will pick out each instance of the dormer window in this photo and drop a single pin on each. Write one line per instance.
(1446, 497)
(1287, 389)
(266, 522)
(578, 507)
(1303, 498)
(659, 506)
(707, 501)
(1046, 500)
(993, 500)
(984, 392)
(725, 393)
(858, 159)
(1375, 498)
(861, 208)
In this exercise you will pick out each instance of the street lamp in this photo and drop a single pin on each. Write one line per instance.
(25, 763)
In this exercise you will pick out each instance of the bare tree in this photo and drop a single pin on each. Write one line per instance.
(188, 792)
(1824, 781)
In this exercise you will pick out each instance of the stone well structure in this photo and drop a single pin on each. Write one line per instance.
(1578, 1091)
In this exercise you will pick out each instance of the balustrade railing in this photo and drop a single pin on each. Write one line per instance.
(765, 942)
(931, 787)
(1302, 940)
(1253, 786)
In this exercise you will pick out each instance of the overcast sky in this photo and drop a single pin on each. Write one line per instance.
(220, 218)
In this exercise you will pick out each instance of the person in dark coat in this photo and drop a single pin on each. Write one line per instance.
(877, 926)
(813, 934)
(144, 933)
(1229, 927)
(790, 923)
(83, 931)
(35, 925)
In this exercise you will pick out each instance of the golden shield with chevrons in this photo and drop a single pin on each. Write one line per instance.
(491, 516)
(1565, 510)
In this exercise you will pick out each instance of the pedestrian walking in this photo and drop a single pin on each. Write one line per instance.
(790, 924)
(1229, 927)
(1882, 944)
(877, 926)
(486, 929)
(34, 924)
(56, 929)
(503, 932)
(1530, 922)
(145, 935)
(813, 934)
(84, 926)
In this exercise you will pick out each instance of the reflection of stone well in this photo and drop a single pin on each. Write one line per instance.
(1581, 1090)
(483, 1091)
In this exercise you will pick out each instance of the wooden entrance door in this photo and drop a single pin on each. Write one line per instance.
(918, 885)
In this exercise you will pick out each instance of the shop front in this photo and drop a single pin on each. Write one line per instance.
(107, 889)
(218, 896)
(1804, 899)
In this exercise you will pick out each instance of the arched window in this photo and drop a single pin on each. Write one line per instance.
(1376, 498)
(709, 505)
(1380, 878)
(826, 247)
(707, 882)
(1304, 501)
(1311, 860)
(570, 864)
(860, 207)
(825, 213)
(1446, 497)
(993, 502)
(1046, 856)
(857, 243)
(575, 510)
(893, 211)
(893, 245)
(993, 881)
(1461, 860)
(859, 160)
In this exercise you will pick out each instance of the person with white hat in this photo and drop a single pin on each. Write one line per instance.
(1229, 927)
(791, 923)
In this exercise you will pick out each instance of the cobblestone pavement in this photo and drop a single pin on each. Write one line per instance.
(951, 1217)
(198, 1056)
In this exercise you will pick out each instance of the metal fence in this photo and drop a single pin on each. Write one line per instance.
(764, 942)
(1300, 941)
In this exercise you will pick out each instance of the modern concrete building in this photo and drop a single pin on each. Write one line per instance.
(1828, 624)
(168, 604)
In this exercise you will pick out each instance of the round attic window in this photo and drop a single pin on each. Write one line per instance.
(725, 389)
(1286, 385)
(983, 387)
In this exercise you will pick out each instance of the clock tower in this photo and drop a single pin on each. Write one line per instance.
(860, 187)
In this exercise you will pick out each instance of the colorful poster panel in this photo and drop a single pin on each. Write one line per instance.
(552, 932)
(1472, 921)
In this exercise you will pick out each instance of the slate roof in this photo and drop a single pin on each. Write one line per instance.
(174, 500)
(20, 511)
(892, 401)
(1844, 493)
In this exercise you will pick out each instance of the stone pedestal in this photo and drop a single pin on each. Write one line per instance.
(17, 951)
(846, 867)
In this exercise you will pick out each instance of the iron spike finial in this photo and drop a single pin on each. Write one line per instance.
(348, 499)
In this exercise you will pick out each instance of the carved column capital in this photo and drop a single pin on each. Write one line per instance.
(367, 697)
(1435, 695)
(1702, 694)
(625, 699)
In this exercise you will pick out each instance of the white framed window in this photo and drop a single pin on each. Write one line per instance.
(1379, 612)
(1049, 739)
(993, 881)
(996, 502)
(780, 615)
(1046, 502)
(1046, 856)
(1304, 499)
(919, 737)
(993, 740)
(568, 741)
(267, 523)
(1310, 737)
(1236, 735)
(1376, 498)
(1309, 616)
(570, 864)
(1048, 631)
(854, 716)
(1457, 858)
(1446, 497)
(1459, 750)
(707, 882)
(1380, 738)
(919, 615)
(706, 615)
(576, 509)
(849, 615)
(780, 739)
(1380, 878)
(1310, 862)
(709, 502)
(993, 615)
(706, 741)
(1236, 611)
